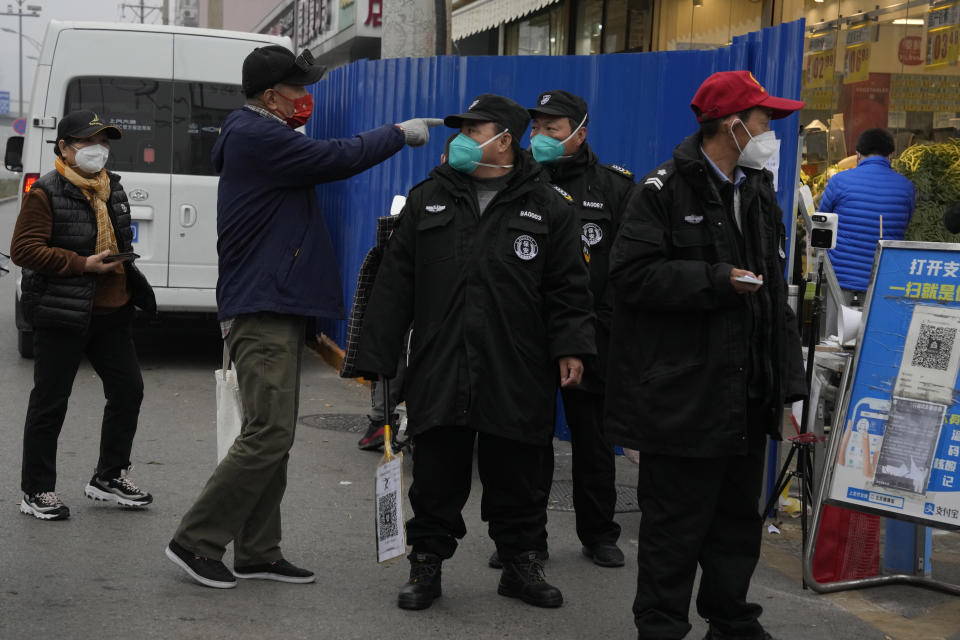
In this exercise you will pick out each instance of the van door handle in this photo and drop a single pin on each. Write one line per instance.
(188, 215)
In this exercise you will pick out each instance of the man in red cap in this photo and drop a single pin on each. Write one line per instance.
(707, 354)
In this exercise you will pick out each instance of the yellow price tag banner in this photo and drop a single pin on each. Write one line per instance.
(820, 69)
(943, 46)
(856, 67)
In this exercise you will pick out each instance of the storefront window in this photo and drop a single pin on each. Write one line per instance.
(589, 27)
(542, 34)
(704, 24)
(894, 67)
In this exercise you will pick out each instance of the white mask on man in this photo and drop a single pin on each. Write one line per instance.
(758, 151)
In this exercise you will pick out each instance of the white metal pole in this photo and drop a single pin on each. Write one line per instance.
(23, 113)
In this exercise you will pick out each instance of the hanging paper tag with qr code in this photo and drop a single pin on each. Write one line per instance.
(391, 534)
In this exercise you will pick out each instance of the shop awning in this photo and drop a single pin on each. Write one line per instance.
(481, 15)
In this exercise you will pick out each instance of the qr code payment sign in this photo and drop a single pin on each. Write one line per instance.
(391, 536)
(933, 348)
(387, 525)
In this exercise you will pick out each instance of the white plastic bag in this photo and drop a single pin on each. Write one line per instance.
(229, 412)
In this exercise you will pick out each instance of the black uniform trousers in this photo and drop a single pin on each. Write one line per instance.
(594, 469)
(514, 501)
(699, 511)
(108, 345)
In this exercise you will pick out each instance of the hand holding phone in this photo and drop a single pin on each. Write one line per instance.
(128, 256)
(748, 280)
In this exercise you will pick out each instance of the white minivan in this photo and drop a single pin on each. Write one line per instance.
(168, 89)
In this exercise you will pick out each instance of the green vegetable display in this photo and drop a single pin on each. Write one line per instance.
(934, 170)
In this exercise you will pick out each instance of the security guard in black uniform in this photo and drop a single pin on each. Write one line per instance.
(707, 354)
(558, 136)
(487, 263)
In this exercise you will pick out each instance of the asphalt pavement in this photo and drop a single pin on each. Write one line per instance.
(103, 574)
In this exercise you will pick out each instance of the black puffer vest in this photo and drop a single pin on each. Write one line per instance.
(66, 302)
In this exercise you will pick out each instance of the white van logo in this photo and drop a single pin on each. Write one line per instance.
(138, 194)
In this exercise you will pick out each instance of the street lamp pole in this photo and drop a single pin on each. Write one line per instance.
(31, 12)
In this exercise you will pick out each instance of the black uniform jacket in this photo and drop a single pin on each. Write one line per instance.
(600, 193)
(683, 343)
(495, 300)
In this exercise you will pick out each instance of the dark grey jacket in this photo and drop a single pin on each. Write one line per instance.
(495, 300)
(687, 351)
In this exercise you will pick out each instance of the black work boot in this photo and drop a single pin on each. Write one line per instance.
(523, 578)
(424, 584)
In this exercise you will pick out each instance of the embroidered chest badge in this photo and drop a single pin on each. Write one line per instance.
(525, 247)
(592, 233)
(435, 208)
(693, 219)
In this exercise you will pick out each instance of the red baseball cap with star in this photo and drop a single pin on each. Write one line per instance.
(727, 92)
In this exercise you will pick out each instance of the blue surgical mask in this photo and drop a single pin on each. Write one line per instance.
(546, 149)
(465, 153)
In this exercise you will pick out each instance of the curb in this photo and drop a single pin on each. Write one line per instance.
(8, 199)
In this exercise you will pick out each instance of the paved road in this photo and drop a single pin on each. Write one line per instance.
(102, 574)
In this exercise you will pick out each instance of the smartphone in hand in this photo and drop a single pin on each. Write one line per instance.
(129, 256)
(748, 280)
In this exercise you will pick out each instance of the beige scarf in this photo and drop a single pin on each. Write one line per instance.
(97, 192)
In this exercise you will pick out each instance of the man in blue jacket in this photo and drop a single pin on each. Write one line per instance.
(276, 269)
(861, 198)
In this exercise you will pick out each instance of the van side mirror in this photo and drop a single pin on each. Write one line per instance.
(13, 156)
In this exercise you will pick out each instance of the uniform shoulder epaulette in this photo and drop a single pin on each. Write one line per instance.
(658, 177)
(623, 171)
(419, 184)
(566, 196)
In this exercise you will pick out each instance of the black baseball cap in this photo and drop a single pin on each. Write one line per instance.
(267, 66)
(560, 103)
(85, 124)
(489, 107)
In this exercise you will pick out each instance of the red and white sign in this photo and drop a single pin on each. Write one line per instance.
(910, 52)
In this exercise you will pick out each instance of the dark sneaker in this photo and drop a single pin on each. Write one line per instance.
(523, 578)
(424, 584)
(494, 561)
(206, 571)
(604, 555)
(120, 490)
(280, 570)
(45, 506)
(372, 440)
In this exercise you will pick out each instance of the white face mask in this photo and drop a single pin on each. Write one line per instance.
(758, 151)
(93, 158)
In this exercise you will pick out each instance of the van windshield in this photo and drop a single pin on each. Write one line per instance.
(168, 127)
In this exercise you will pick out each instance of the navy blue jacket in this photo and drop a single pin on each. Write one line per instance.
(274, 250)
(859, 197)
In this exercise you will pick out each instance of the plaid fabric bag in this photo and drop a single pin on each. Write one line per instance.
(365, 280)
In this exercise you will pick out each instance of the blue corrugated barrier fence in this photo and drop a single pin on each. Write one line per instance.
(638, 112)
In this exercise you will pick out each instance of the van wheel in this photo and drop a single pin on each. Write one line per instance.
(25, 343)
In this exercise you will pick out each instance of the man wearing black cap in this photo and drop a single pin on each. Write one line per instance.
(707, 353)
(79, 301)
(558, 136)
(276, 269)
(487, 263)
